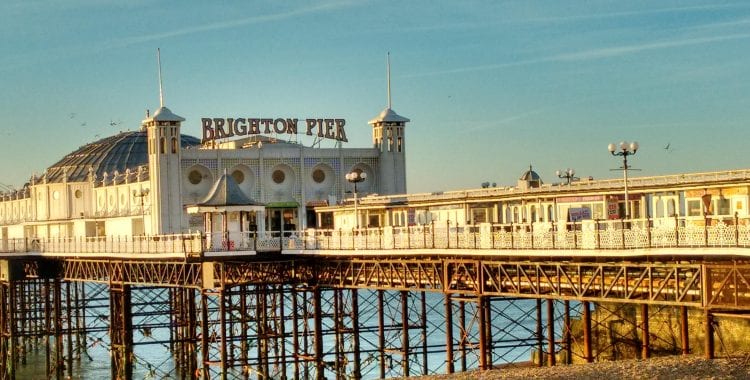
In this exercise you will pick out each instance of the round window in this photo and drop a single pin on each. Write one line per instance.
(319, 176)
(195, 177)
(238, 176)
(278, 176)
(78, 194)
(56, 195)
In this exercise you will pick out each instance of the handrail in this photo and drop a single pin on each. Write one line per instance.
(684, 232)
(585, 235)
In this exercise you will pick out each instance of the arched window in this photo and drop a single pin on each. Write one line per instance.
(671, 208)
(533, 214)
(508, 215)
(162, 145)
(659, 213)
(550, 216)
(174, 145)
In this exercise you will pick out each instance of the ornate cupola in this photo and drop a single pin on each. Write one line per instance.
(389, 139)
(529, 180)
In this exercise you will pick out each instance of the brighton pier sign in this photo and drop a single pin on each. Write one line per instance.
(222, 128)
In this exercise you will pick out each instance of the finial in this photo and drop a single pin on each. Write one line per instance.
(388, 74)
(161, 90)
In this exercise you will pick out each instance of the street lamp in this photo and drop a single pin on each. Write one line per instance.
(625, 149)
(356, 177)
(568, 174)
(142, 194)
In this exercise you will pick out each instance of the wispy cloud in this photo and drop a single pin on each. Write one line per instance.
(592, 54)
(593, 16)
(11, 61)
(231, 24)
(632, 49)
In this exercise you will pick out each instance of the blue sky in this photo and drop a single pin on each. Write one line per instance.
(490, 86)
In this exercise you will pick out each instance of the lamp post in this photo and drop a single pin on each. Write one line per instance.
(625, 149)
(142, 194)
(355, 178)
(568, 174)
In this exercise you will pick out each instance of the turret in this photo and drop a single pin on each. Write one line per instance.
(164, 151)
(389, 138)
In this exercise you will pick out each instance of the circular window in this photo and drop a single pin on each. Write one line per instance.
(78, 194)
(111, 200)
(195, 177)
(278, 176)
(319, 176)
(56, 194)
(238, 176)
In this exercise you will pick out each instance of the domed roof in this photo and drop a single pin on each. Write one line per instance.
(126, 150)
(530, 175)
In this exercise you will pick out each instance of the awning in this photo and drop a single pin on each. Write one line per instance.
(288, 204)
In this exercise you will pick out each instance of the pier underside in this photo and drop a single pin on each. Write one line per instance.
(301, 317)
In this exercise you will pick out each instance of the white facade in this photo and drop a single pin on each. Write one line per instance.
(71, 200)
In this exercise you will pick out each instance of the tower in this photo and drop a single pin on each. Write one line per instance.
(388, 137)
(164, 151)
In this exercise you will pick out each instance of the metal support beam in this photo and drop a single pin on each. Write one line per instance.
(318, 339)
(405, 332)
(482, 332)
(684, 330)
(357, 373)
(645, 333)
(567, 335)
(551, 359)
(587, 354)
(539, 334)
(381, 334)
(121, 331)
(448, 333)
(709, 323)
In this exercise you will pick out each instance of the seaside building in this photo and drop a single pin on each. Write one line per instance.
(142, 182)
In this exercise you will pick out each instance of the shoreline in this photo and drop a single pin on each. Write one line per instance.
(667, 367)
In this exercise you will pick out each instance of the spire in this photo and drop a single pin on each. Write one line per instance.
(161, 89)
(388, 74)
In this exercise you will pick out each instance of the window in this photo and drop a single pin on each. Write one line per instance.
(195, 177)
(174, 145)
(598, 211)
(671, 208)
(398, 147)
(162, 145)
(318, 176)
(722, 207)
(694, 207)
(659, 208)
(238, 176)
(278, 176)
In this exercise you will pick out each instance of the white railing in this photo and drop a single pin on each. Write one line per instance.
(585, 235)
(590, 234)
(267, 241)
(188, 244)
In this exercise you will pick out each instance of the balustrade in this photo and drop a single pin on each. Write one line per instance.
(585, 235)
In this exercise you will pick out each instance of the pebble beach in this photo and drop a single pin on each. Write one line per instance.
(667, 368)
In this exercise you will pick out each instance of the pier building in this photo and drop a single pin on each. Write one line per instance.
(141, 182)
